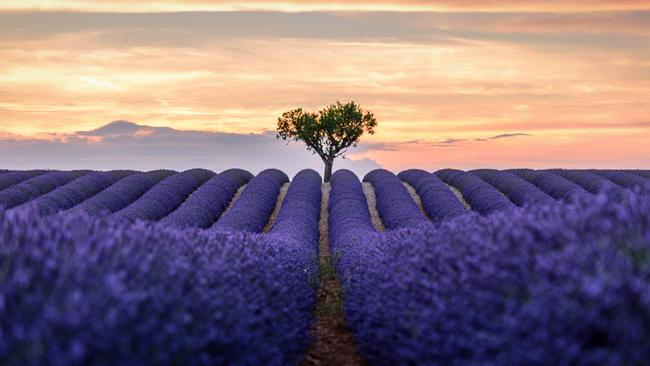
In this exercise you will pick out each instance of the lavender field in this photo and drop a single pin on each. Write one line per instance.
(481, 267)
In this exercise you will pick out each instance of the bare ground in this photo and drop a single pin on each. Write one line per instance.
(459, 196)
(416, 198)
(334, 343)
(278, 206)
(234, 198)
(369, 191)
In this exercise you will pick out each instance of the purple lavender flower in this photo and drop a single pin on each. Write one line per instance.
(515, 188)
(438, 200)
(165, 197)
(75, 192)
(256, 203)
(394, 204)
(9, 179)
(36, 187)
(122, 193)
(484, 198)
(553, 184)
(203, 207)
(548, 284)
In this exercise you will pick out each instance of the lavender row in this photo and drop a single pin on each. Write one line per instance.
(352, 239)
(439, 202)
(203, 207)
(85, 290)
(240, 176)
(36, 187)
(122, 193)
(12, 178)
(591, 182)
(552, 184)
(75, 192)
(164, 197)
(546, 285)
(483, 198)
(622, 178)
(519, 191)
(300, 212)
(254, 206)
(394, 204)
(296, 231)
(349, 218)
(642, 173)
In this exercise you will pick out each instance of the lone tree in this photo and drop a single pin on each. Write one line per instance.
(328, 133)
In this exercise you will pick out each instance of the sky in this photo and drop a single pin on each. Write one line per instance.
(453, 83)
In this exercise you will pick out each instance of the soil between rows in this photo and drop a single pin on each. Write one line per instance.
(334, 343)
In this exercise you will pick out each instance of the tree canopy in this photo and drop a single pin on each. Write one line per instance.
(330, 132)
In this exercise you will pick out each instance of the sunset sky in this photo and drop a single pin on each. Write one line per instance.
(452, 83)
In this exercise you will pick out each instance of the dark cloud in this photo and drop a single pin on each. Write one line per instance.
(441, 143)
(126, 145)
(185, 29)
(503, 136)
(451, 142)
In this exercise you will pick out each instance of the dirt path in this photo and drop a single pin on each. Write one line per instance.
(416, 198)
(234, 198)
(333, 343)
(369, 191)
(278, 205)
(460, 197)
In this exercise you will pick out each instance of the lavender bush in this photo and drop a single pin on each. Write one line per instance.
(78, 190)
(78, 290)
(165, 197)
(256, 203)
(122, 193)
(36, 187)
(240, 176)
(591, 182)
(484, 198)
(546, 285)
(12, 178)
(642, 173)
(438, 201)
(394, 204)
(623, 179)
(203, 207)
(349, 219)
(554, 185)
(519, 191)
(555, 282)
(300, 212)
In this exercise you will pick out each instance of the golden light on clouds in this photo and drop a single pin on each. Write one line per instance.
(446, 81)
(316, 5)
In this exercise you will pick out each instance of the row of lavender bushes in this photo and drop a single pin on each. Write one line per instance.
(79, 289)
(468, 290)
(552, 283)
(170, 196)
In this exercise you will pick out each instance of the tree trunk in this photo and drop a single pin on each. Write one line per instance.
(328, 169)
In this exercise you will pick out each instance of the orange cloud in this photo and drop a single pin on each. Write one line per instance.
(311, 5)
(582, 103)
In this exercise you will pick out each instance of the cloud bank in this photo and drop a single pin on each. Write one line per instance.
(127, 145)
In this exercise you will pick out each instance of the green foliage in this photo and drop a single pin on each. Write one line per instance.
(330, 132)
